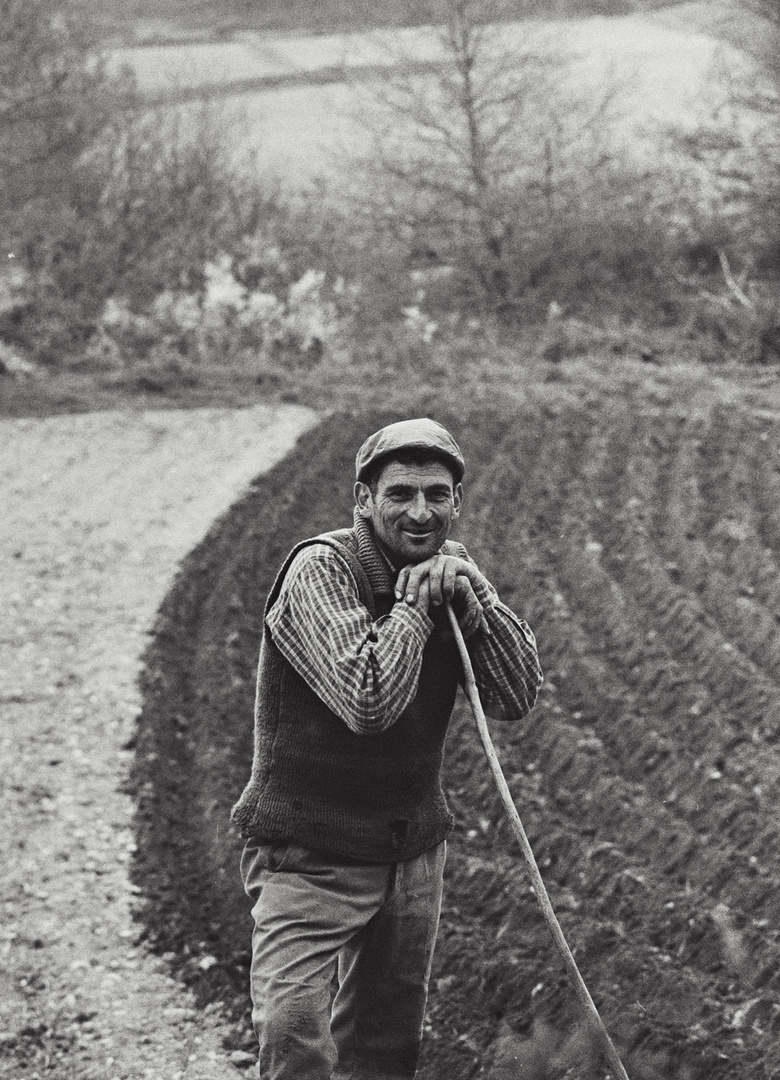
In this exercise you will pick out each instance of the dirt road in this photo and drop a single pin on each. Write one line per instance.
(97, 510)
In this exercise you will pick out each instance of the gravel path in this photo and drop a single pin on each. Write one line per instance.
(97, 510)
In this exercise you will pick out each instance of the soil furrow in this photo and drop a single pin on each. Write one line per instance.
(645, 776)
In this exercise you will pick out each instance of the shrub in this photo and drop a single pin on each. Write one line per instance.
(157, 199)
(56, 97)
(733, 321)
(227, 322)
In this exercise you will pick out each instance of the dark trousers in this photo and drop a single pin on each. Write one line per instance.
(341, 958)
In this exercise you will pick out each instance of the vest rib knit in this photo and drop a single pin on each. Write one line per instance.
(372, 798)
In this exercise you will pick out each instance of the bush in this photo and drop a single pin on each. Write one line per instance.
(228, 322)
(741, 325)
(56, 96)
(157, 199)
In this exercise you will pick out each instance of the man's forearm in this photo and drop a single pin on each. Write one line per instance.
(505, 658)
(366, 672)
(371, 688)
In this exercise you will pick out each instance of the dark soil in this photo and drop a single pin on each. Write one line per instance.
(642, 542)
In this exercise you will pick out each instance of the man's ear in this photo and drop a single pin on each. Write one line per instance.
(363, 499)
(457, 500)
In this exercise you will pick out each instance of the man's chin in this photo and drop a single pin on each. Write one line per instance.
(405, 550)
(417, 552)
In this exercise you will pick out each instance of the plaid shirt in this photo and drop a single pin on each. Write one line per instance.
(367, 672)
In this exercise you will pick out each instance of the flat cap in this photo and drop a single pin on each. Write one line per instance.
(419, 434)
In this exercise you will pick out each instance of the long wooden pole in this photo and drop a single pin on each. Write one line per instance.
(595, 1023)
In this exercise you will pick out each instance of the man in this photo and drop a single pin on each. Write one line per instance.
(344, 813)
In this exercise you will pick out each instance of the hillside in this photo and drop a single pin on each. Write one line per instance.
(175, 20)
(638, 533)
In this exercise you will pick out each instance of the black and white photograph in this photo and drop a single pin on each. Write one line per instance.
(390, 540)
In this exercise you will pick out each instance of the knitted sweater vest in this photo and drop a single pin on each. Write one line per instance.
(374, 797)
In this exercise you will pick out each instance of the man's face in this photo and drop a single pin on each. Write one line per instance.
(412, 509)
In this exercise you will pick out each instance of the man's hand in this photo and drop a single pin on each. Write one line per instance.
(439, 580)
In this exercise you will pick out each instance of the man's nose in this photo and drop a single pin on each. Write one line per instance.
(418, 509)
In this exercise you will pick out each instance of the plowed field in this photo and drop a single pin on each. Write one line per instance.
(642, 542)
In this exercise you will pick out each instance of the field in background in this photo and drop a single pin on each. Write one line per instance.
(174, 20)
(95, 329)
(297, 102)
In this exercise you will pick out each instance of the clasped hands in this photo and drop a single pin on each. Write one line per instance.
(439, 580)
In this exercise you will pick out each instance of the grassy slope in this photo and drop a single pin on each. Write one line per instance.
(214, 18)
(638, 533)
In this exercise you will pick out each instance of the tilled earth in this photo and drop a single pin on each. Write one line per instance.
(639, 534)
(96, 510)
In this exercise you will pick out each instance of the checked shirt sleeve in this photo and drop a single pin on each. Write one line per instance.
(505, 660)
(366, 672)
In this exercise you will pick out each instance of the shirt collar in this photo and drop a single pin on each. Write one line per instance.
(380, 571)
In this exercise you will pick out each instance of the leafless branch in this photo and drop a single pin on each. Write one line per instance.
(736, 285)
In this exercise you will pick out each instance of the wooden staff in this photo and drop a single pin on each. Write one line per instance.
(595, 1023)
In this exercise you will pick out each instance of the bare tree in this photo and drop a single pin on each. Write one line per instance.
(473, 158)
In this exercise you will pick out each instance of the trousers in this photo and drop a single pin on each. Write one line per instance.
(341, 960)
